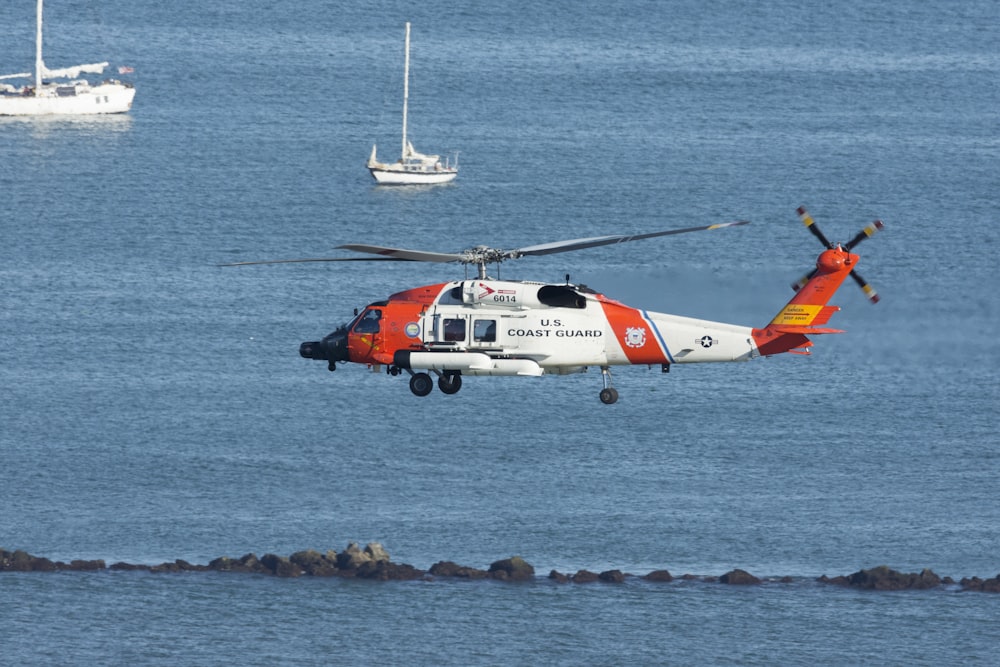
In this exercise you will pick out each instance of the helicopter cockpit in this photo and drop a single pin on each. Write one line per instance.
(368, 321)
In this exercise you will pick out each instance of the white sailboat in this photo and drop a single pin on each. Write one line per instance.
(69, 96)
(412, 168)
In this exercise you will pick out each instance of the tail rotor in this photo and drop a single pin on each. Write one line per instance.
(865, 233)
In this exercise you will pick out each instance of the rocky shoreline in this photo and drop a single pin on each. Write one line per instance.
(373, 562)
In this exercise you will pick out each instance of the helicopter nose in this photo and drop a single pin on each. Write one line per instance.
(311, 350)
(332, 348)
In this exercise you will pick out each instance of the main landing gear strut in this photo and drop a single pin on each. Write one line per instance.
(609, 394)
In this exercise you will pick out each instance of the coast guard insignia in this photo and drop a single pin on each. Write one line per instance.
(635, 336)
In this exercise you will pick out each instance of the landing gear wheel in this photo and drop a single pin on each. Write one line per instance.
(609, 394)
(450, 383)
(421, 384)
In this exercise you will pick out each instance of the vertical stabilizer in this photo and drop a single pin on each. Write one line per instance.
(808, 310)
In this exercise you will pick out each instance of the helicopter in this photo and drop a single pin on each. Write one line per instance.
(484, 326)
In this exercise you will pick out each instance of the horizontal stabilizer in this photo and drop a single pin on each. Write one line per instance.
(804, 330)
(824, 315)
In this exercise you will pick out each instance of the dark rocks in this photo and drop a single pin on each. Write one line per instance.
(383, 570)
(315, 564)
(558, 577)
(17, 561)
(309, 559)
(981, 585)
(280, 566)
(446, 568)
(178, 565)
(512, 569)
(508, 569)
(588, 577)
(373, 563)
(85, 565)
(612, 577)
(22, 561)
(738, 578)
(584, 577)
(247, 564)
(882, 578)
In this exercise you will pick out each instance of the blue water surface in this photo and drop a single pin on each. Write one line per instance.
(154, 406)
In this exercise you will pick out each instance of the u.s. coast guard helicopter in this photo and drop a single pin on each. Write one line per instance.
(483, 326)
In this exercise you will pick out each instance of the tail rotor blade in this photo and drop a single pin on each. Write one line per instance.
(801, 282)
(865, 287)
(811, 226)
(865, 233)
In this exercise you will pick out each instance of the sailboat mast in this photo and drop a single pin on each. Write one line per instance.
(406, 83)
(39, 65)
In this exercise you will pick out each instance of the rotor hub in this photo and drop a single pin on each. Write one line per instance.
(832, 260)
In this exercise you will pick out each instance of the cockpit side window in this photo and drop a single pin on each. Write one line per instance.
(369, 322)
(454, 330)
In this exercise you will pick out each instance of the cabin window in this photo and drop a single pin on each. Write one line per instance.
(484, 331)
(454, 330)
(369, 322)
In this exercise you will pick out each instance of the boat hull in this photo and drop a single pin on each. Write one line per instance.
(106, 98)
(388, 176)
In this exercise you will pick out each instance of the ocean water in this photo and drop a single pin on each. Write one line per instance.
(154, 406)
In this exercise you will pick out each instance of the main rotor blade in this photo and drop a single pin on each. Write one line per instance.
(482, 255)
(320, 259)
(865, 233)
(403, 254)
(811, 226)
(595, 241)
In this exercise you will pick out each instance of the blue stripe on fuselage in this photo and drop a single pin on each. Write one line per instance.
(658, 335)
